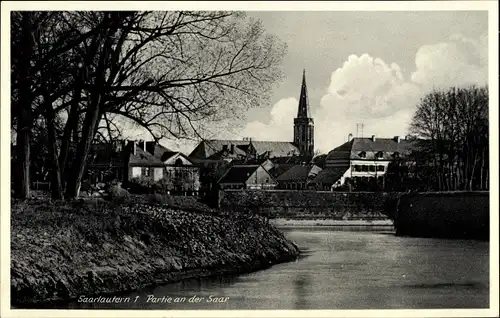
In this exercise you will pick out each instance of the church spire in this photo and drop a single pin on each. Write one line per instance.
(303, 111)
(303, 125)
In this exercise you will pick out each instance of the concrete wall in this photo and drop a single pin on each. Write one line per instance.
(306, 204)
(444, 214)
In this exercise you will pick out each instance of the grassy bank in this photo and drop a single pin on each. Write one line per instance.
(61, 250)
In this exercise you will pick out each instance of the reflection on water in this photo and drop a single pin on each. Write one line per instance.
(344, 270)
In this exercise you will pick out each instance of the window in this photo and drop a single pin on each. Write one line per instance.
(379, 155)
(396, 154)
(362, 154)
(371, 168)
(158, 174)
(357, 168)
(364, 168)
(146, 172)
(136, 172)
(380, 168)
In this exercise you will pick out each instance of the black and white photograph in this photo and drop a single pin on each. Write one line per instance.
(215, 158)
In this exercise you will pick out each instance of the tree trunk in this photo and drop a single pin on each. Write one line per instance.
(22, 186)
(71, 125)
(24, 124)
(473, 170)
(56, 186)
(78, 167)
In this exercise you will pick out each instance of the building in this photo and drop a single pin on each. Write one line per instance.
(141, 163)
(362, 160)
(242, 149)
(247, 177)
(145, 162)
(301, 146)
(297, 177)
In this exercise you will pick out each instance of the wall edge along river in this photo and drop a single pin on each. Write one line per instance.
(61, 251)
(459, 214)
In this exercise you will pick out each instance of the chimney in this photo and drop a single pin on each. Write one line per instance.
(397, 139)
(117, 145)
(349, 138)
(373, 138)
(132, 146)
(232, 148)
(150, 147)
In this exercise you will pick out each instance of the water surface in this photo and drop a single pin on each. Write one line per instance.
(342, 269)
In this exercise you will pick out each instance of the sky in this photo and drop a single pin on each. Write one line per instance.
(368, 67)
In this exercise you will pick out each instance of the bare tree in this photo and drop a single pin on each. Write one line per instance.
(169, 72)
(456, 123)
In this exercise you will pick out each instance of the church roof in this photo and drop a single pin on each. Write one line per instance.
(207, 148)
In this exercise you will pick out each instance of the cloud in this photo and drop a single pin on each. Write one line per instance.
(371, 91)
(280, 126)
(459, 61)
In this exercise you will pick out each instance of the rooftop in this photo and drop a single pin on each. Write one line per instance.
(238, 174)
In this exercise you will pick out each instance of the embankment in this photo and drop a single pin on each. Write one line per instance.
(60, 251)
(306, 205)
(444, 214)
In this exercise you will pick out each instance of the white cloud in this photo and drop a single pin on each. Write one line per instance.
(370, 91)
(458, 61)
(280, 126)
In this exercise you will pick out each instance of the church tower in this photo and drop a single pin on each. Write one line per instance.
(303, 132)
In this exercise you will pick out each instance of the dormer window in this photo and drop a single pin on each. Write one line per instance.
(379, 155)
(362, 154)
(395, 154)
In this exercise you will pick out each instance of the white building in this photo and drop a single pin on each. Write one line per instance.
(361, 158)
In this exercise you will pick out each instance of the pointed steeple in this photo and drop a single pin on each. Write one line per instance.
(303, 111)
(303, 125)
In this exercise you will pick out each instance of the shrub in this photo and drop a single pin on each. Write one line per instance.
(148, 186)
(117, 193)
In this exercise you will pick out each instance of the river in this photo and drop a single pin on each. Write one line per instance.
(342, 269)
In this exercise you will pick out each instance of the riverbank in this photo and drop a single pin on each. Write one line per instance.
(60, 251)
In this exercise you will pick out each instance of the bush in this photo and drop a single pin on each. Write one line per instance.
(117, 193)
(148, 186)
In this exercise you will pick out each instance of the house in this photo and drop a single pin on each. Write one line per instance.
(328, 178)
(297, 177)
(363, 160)
(282, 164)
(247, 177)
(142, 164)
(143, 161)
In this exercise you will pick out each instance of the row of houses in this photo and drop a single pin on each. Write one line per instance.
(246, 164)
